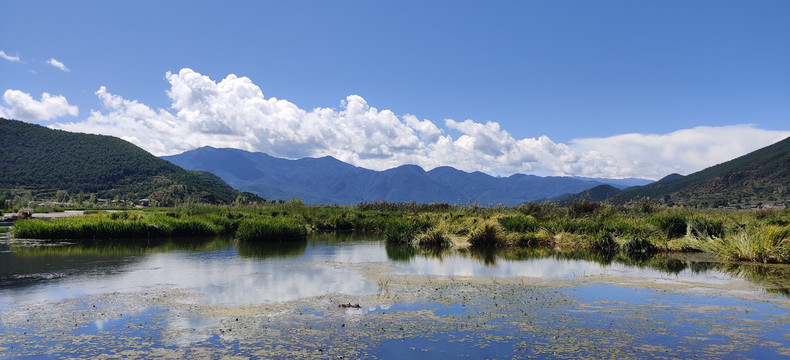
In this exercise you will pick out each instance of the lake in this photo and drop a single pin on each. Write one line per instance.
(352, 296)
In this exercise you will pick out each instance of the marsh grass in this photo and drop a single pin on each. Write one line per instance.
(704, 227)
(673, 224)
(434, 238)
(604, 242)
(736, 235)
(519, 223)
(639, 249)
(271, 230)
(488, 235)
(401, 231)
(765, 244)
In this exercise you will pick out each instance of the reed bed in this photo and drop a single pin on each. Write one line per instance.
(271, 230)
(636, 229)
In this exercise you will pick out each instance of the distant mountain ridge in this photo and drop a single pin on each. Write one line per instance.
(327, 180)
(759, 177)
(41, 162)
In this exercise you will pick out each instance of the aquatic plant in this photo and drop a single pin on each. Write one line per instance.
(639, 248)
(278, 229)
(604, 242)
(489, 235)
(434, 237)
(400, 231)
(673, 224)
(766, 244)
(519, 223)
(582, 208)
(703, 227)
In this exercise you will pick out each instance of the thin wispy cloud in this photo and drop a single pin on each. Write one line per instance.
(58, 64)
(24, 107)
(235, 113)
(9, 57)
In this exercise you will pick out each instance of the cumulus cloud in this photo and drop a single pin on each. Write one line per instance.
(57, 64)
(235, 113)
(682, 151)
(9, 57)
(24, 107)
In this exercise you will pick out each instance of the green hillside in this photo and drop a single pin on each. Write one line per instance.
(49, 164)
(760, 177)
(598, 193)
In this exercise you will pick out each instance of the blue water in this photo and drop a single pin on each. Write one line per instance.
(544, 321)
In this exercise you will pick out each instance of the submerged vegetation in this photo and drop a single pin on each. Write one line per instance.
(639, 229)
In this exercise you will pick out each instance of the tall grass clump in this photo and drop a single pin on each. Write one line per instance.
(604, 242)
(400, 231)
(434, 237)
(487, 236)
(519, 223)
(673, 224)
(582, 208)
(704, 228)
(766, 244)
(278, 229)
(639, 248)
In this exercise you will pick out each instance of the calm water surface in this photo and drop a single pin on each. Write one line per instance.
(66, 296)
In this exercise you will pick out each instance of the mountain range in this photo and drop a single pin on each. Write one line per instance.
(43, 163)
(327, 180)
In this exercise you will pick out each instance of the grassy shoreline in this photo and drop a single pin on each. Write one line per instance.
(639, 229)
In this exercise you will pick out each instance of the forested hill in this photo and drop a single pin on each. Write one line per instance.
(45, 162)
(760, 177)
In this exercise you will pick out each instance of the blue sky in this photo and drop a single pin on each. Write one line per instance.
(591, 88)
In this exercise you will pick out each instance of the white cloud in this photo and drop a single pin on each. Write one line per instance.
(682, 151)
(24, 107)
(234, 113)
(9, 57)
(57, 64)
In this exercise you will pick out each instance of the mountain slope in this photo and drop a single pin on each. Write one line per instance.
(598, 193)
(762, 176)
(330, 181)
(43, 161)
